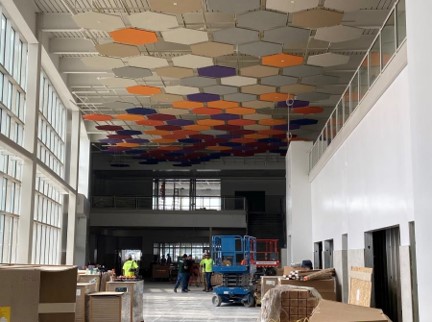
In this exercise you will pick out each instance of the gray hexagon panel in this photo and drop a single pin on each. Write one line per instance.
(239, 97)
(302, 71)
(220, 89)
(278, 80)
(198, 81)
(261, 20)
(132, 72)
(320, 80)
(235, 36)
(237, 6)
(313, 96)
(260, 48)
(291, 37)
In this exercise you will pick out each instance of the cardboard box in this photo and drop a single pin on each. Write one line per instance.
(82, 292)
(289, 269)
(90, 278)
(134, 292)
(341, 312)
(267, 283)
(327, 287)
(108, 307)
(52, 289)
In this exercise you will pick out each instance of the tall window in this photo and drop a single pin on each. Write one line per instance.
(13, 80)
(47, 223)
(178, 249)
(186, 194)
(10, 195)
(51, 128)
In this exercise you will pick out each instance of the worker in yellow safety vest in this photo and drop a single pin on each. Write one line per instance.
(130, 267)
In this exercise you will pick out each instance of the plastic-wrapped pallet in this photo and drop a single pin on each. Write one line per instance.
(286, 303)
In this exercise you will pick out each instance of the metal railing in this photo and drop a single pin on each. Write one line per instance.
(177, 203)
(385, 45)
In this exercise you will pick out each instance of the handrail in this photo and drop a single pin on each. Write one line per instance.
(371, 67)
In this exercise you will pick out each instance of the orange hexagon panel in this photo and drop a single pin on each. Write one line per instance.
(282, 60)
(128, 145)
(209, 122)
(196, 127)
(150, 122)
(130, 117)
(143, 90)
(242, 111)
(164, 141)
(272, 122)
(187, 104)
(97, 117)
(275, 97)
(133, 36)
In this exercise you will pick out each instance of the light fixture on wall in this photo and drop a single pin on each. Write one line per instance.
(289, 103)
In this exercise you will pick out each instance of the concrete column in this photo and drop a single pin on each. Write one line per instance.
(70, 234)
(298, 202)
(73, 149)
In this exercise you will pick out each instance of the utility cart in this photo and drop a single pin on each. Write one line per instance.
(234, 257)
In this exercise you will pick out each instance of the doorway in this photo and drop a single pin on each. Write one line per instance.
(318, 249)
(255, 200)
(383, 246)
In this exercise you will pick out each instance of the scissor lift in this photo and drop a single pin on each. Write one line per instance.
(267, 256)
(234, 257)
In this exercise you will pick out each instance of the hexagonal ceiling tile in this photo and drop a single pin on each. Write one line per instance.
(220, 90)
(147, 62)
(257, 89)
(117, 50)
(343, 5)
(132, 72)
(291, 6)
(223, 104)
(117, 82)
(302, 70)
(242, 111)
(238, 81)
(153, 21)
(259, 71)
(235, 36)
(260, 48)
(198, 81)
(261, 20)
(290, 37)
(192, 61)
(212, 49)
(328, 59)
(174, 72)
(256, 117)
(98, 21)
(282, 60)
(257, 104)
(203, 97)
(313, 96)
(181, 90)
(165, 98)
(175, 6)
(316, 18)
(102, 62)
(240, 97)
(237, 6)
(338, 33)
(143, 90)
(133, 36)
(217, 71)
(278, 80)
(274, 97)
(184, 36)
(297, 88)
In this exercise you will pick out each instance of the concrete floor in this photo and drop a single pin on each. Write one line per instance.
(161, 304)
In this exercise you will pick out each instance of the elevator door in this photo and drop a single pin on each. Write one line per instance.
(386, 272)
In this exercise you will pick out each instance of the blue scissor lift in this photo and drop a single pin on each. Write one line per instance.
(234, 257)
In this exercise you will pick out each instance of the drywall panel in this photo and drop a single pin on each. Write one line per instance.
(367, 184)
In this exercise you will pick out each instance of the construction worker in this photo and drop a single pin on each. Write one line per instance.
(130, 267)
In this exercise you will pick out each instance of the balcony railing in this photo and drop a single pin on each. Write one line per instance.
(386, 44)
(171, 203)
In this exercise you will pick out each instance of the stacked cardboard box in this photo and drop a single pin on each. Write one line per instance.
(296, 304)
(133, 291)
(90, 278)
(327, 287)
(108, 307)
(38, 293)
(82, 292)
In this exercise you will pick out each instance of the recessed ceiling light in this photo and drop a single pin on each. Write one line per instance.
(174, 3)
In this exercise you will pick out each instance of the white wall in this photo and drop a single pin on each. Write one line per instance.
(420, 80)
(367, 184)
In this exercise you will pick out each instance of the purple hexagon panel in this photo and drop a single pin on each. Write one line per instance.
(203, 97)
(217, 71)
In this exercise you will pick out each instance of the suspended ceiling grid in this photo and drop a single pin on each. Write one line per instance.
(189, 81)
